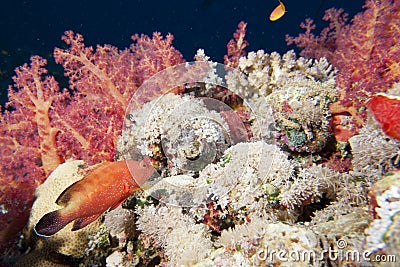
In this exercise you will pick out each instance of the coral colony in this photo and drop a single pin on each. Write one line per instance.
(365, 52)
(265, 160)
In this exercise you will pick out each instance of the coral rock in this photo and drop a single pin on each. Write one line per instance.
(64, 242)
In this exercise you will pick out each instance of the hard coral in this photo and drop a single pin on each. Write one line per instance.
(298, 90)
(365, 52)
(64, 242)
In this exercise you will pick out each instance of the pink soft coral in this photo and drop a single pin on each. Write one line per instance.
(28, 148)
(236, 46)
(104, 80)
(365, 51)
(43, 125)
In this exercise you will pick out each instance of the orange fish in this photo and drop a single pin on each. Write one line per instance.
(278, 12)
(386, 110)
(103, 188)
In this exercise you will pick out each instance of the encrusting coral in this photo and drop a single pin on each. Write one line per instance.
(65, 242)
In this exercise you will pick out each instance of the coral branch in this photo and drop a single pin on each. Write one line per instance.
(29, 151)
(236, 46)
(103, 81)
(80, 64)
(365, 51)
(35, 95)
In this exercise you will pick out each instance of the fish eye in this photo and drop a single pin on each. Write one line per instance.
(143, 164)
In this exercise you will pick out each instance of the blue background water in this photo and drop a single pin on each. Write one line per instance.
(35, 27)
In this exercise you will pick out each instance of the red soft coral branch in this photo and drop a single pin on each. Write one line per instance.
(236, 46)
(323, 45)
(28, 148)
(154, 54)
(86, 68)
(34, 95)
(103, 81)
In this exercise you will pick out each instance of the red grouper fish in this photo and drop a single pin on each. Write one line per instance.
(103, 188)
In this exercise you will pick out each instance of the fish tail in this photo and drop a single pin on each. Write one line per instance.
(51, 223)
(82, 222)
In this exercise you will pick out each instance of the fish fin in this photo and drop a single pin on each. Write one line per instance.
(65, 196)
(117, 204)
(51, 223)
(82, 222)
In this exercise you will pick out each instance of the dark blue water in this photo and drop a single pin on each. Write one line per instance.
(35, 27)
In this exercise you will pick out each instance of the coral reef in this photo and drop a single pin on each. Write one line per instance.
(299, 92)
(44, 125)
(367, 63)
(248, 171)
(239, 200)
